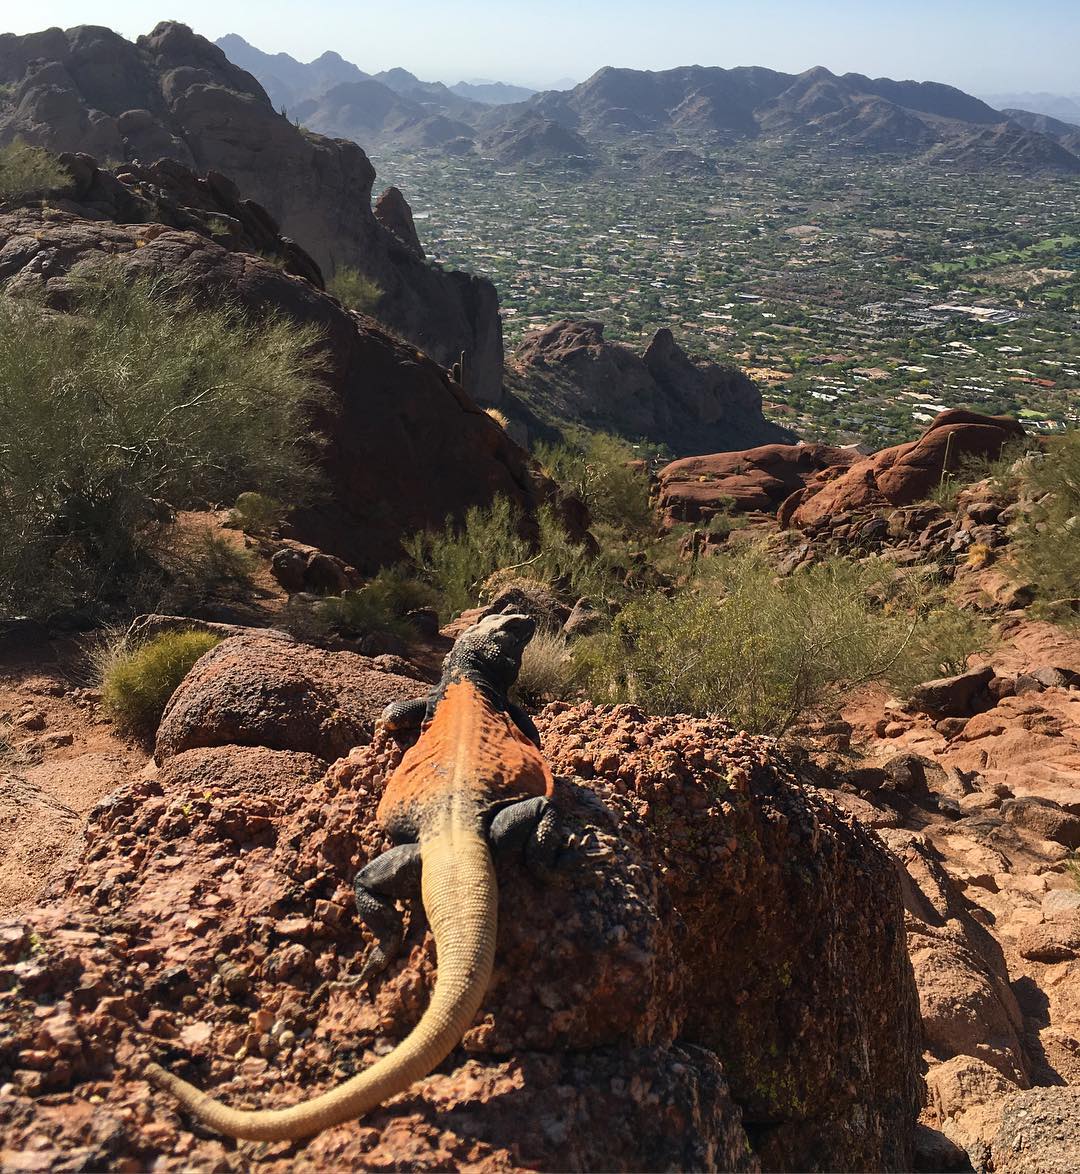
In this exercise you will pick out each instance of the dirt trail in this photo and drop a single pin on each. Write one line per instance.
(58, 757)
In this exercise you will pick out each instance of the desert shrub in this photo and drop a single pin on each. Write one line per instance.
(1048, 540)
(456, 560)
(209, 566)
(940, 645)
(381, 605)
(25, 170)
(256, 513)
(998, 471)
(356, 291)
(138, 682)
(459, 559)
(602, 472)
(500, 418)
(140, 394)
(547, 670)
(753, 648)
(721, 525)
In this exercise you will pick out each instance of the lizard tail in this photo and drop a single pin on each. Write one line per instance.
(461, 899)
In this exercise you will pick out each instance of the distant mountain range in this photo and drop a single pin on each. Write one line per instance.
(288, 81)
(1063, 106)
(704, 106)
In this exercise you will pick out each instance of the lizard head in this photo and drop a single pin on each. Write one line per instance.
(493, 648)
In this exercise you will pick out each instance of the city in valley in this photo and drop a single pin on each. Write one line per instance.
(863, 297)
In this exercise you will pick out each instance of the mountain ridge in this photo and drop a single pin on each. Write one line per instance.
(712, 105)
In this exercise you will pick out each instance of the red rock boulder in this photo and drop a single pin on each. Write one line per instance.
(695, 488)
(265, 689)
(714, 979)
(907, 473)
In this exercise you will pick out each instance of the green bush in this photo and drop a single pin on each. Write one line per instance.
(381, 605)
(1049, 539)
(140, 394)
(756, 649)
(137, 683)
(27, 170)
(456, 560)
(257, 513)
(940, 645)
(356, 291)
(602, 472)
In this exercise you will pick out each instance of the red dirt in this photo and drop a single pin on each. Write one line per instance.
(49, 784)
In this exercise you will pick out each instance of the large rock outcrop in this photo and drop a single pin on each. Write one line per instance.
(695, 488)
(905, 473)
(569, 371)
(407, 446)
(716, 980)
(175, 94)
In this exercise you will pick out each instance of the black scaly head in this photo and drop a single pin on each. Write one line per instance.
(489, 654)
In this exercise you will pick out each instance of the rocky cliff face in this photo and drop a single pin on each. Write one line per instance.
(407, 445)
(174, 94)
(569, 371)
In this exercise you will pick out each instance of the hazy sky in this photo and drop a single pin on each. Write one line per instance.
(984, 46)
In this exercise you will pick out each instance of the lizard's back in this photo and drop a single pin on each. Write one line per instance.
(470, 748)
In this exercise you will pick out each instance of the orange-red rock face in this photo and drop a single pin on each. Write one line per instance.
(906, 473)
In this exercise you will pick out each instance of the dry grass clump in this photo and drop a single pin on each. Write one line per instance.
(547, 670)
(138, 682)
(27, 170)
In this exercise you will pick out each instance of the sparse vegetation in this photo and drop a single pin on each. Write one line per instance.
(257, 513)
(138, 682)
(547, 670)
(457, 560)
(204, 567)
(759, 650)
(356, 291)
(1049, 541)
(606, 474)
(27, 170)
(381, 605)
(138, 396)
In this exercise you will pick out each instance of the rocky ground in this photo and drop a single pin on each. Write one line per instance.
(856, 949)
(709, 909)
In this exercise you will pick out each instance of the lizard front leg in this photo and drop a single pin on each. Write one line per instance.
(523, 722)
(393, 875)
(404, 716)
(531, 828)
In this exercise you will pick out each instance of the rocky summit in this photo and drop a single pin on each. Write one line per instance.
(173, 94)
(569, 371)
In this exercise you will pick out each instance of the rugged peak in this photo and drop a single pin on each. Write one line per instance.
(662, 347)
(664, 395)
(392, 211)
(173, 94)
